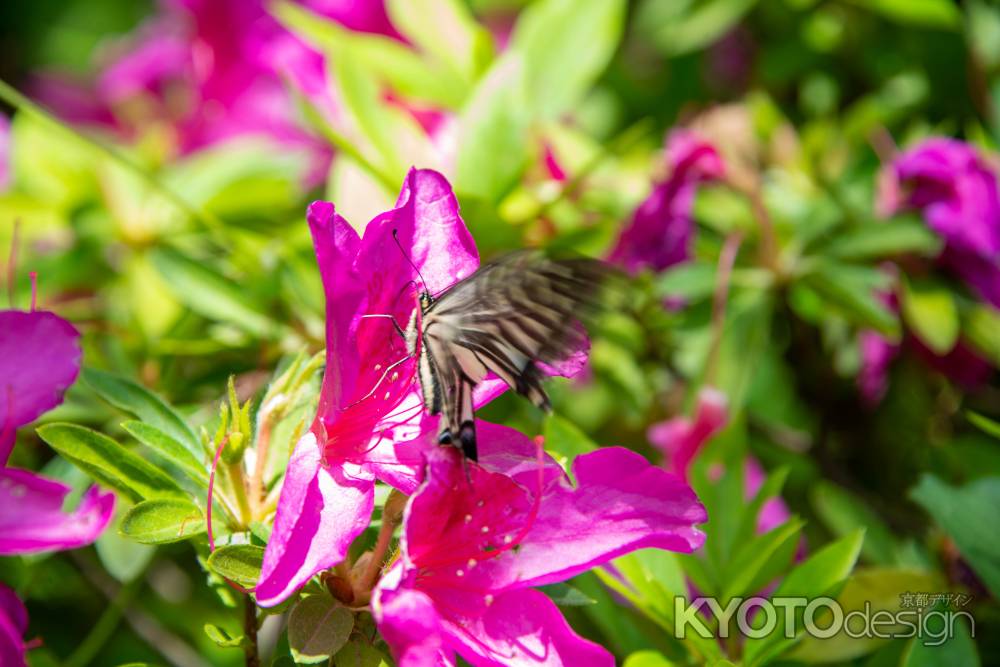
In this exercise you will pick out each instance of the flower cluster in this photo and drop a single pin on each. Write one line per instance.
(477, 540)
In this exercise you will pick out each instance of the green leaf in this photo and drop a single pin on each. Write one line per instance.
(982, 328)
(211, 294)
(682, 26)
(238, 562)
(359, 653)
(224, 639)
(646, 659)
(818, 575)
(926, 13)
(964, 513)
(565, 438)
(446, 30)
(124, 559)
(168, 449)
(930, 311)
(761, 559)
(141, 403)
(691, 281)
(493, 126)
(877, 239)
(318, 627)
(853, 291)
(163, 521)
(984, 424)
(958, 649)
(565, 595)
(110, 463)
(875, 589)
(565, 45)
(844, 513)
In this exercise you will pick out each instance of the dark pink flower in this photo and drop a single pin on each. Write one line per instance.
(681, 439)
(877, 354)
(13, 625)
(957, 192)
(370, 408)
(473, 549)
(39, 360)
(662, 228)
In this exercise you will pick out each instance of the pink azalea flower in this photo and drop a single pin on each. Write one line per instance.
(473, 549)
(369, 410)
(39, 360)
(662, 228)
(957, 192)
(681, 439)
(13, 625)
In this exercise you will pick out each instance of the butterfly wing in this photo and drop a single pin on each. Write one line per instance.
(504, 319)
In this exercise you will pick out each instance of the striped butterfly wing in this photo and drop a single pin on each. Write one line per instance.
(504, 319)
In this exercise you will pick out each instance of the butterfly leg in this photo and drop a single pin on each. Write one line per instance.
(395, 324)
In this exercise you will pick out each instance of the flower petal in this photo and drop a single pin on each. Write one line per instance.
(409, 623)
(320, 512)
(336, 244)
(32, 517)
(522, 627)
(621, 503)
(39, 358)
(13, 624)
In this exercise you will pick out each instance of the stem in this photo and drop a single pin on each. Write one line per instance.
(727, 258)
(385, 532)
(16, 99)
(250, 630)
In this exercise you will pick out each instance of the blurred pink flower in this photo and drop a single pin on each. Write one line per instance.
(957, 192)
(877, 354)
(13, 625)
(370, 409)
(681, 439)
(473, 549)
(39, 360)
(662, 228)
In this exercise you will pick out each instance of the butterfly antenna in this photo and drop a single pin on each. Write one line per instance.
(395, 237)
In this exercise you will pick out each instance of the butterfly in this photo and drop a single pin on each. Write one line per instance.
(522, 310)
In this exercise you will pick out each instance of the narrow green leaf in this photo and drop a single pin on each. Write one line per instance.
(565, 44)
(984, 424)
(108, 462)
(683, 27)
(141, 403)
(163, 521)
(957, 649)
(647, 659)
(318, 627)
(167, 448)
(761, 559)
(853, 291)
(930, 311)
(844, 513)
(238, 562)
(446, 30)
(223, 638)
(211, 294)
(493, 125)
(926, 13)
(877, 240)
(566, 595)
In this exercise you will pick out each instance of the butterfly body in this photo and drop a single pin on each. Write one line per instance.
(504, 319)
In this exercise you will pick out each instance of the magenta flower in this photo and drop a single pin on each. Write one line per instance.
(877, 355)
(956, 190)
(369, 410)
(471, 553)
(39, 360)
(681, 440)
(662, 228)
(13, 625)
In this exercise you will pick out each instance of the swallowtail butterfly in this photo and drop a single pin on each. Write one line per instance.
(510, 315)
